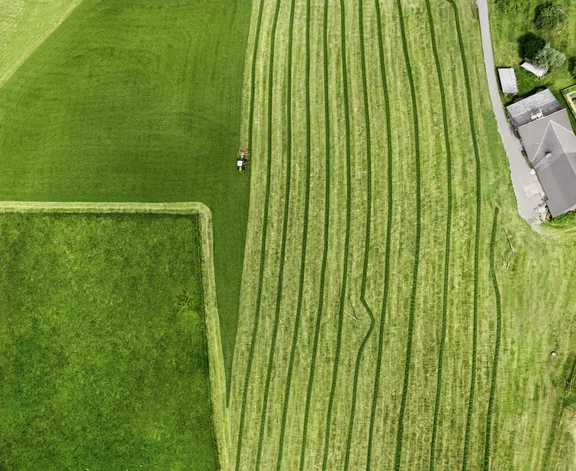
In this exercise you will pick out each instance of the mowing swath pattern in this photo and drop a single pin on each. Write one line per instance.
(400, 432)
(304, 245)
(476, 235)
(264, 234)
(325, 238)
(367, 236)
(347, 235)
(384, 81)
(497, 343)
(448, 234)
(284, 231)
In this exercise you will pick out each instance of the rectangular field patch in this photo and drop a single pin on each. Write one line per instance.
(103, 359)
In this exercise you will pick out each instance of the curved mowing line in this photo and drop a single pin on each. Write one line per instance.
(326, 242)
(368, 231)
(496, 347)
(388, 234)
(304, 245)
(284, 236)
(476, 236)
(346, 236)
(263, 246)
(400, 433)
(448, 235)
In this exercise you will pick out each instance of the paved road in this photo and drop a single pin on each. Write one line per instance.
(522, 180)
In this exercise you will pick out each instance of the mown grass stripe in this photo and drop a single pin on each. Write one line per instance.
(447, 237)
(411, 315)
(263, 243)
(367, 234)
(476, 235)
(390, 207)
(304, 245)
(496, 346)
(327, 143)
(343, 287)
(284, 236)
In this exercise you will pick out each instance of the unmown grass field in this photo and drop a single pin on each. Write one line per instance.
(135, 101)
(103, 360)
(396, 313)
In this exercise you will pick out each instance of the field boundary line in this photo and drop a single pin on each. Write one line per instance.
(325, 248)
(217, 374)
(34, 47)
(476, 235)
(496, 346)
(343, 287)
(263, 243)
(367, 234)
(284, 236)
(447, 236)
(411, 316)
(385, 293)
(304, 248)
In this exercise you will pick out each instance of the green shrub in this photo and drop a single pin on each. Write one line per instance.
(511, 6)
(550, 58)
(532, 46)
(548, 16)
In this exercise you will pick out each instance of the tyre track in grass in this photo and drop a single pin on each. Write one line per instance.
(496, 346)
(447, 237)
(367, 236)
(384, 80)
(326, 241)
(346, 235)
(400, 431)
(476, 235)
(284, 235)
(264, 228)
(304, 244)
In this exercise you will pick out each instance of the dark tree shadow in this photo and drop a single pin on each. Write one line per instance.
(529, 45)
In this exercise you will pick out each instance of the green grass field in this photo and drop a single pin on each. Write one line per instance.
(136, 101)
(508, 28)
(103, 359)
(395, 311)
(386, 322)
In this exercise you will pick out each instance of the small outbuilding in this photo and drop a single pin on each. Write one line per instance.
(508, 82)
(534, 69)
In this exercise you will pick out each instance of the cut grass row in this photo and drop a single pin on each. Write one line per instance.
(411, 315)
(239, 445)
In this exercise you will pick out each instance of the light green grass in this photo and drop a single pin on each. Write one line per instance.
(104, 359)
(409, 275)
(137, 101)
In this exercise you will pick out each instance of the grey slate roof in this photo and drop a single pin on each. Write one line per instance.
(534, 69)
(550, 145)
(508, 81)
(521, 112)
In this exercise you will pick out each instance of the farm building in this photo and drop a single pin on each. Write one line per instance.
(543, 125)
(508, 81)
(534, 69)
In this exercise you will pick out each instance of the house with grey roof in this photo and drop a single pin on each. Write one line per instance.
(544, 128)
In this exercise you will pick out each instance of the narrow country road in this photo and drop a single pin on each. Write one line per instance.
(523, 181)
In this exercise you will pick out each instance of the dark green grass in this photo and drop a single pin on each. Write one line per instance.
(103, 360)
(137, 100)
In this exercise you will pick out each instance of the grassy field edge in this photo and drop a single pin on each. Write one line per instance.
(221, 428)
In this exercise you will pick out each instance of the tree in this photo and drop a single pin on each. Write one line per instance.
(511, 6)
(549, 58)
(574, 71)
(530, 46)
(548, 16)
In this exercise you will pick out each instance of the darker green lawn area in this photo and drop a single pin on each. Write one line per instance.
(137, 100)
(508, 29)
(103, 360)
